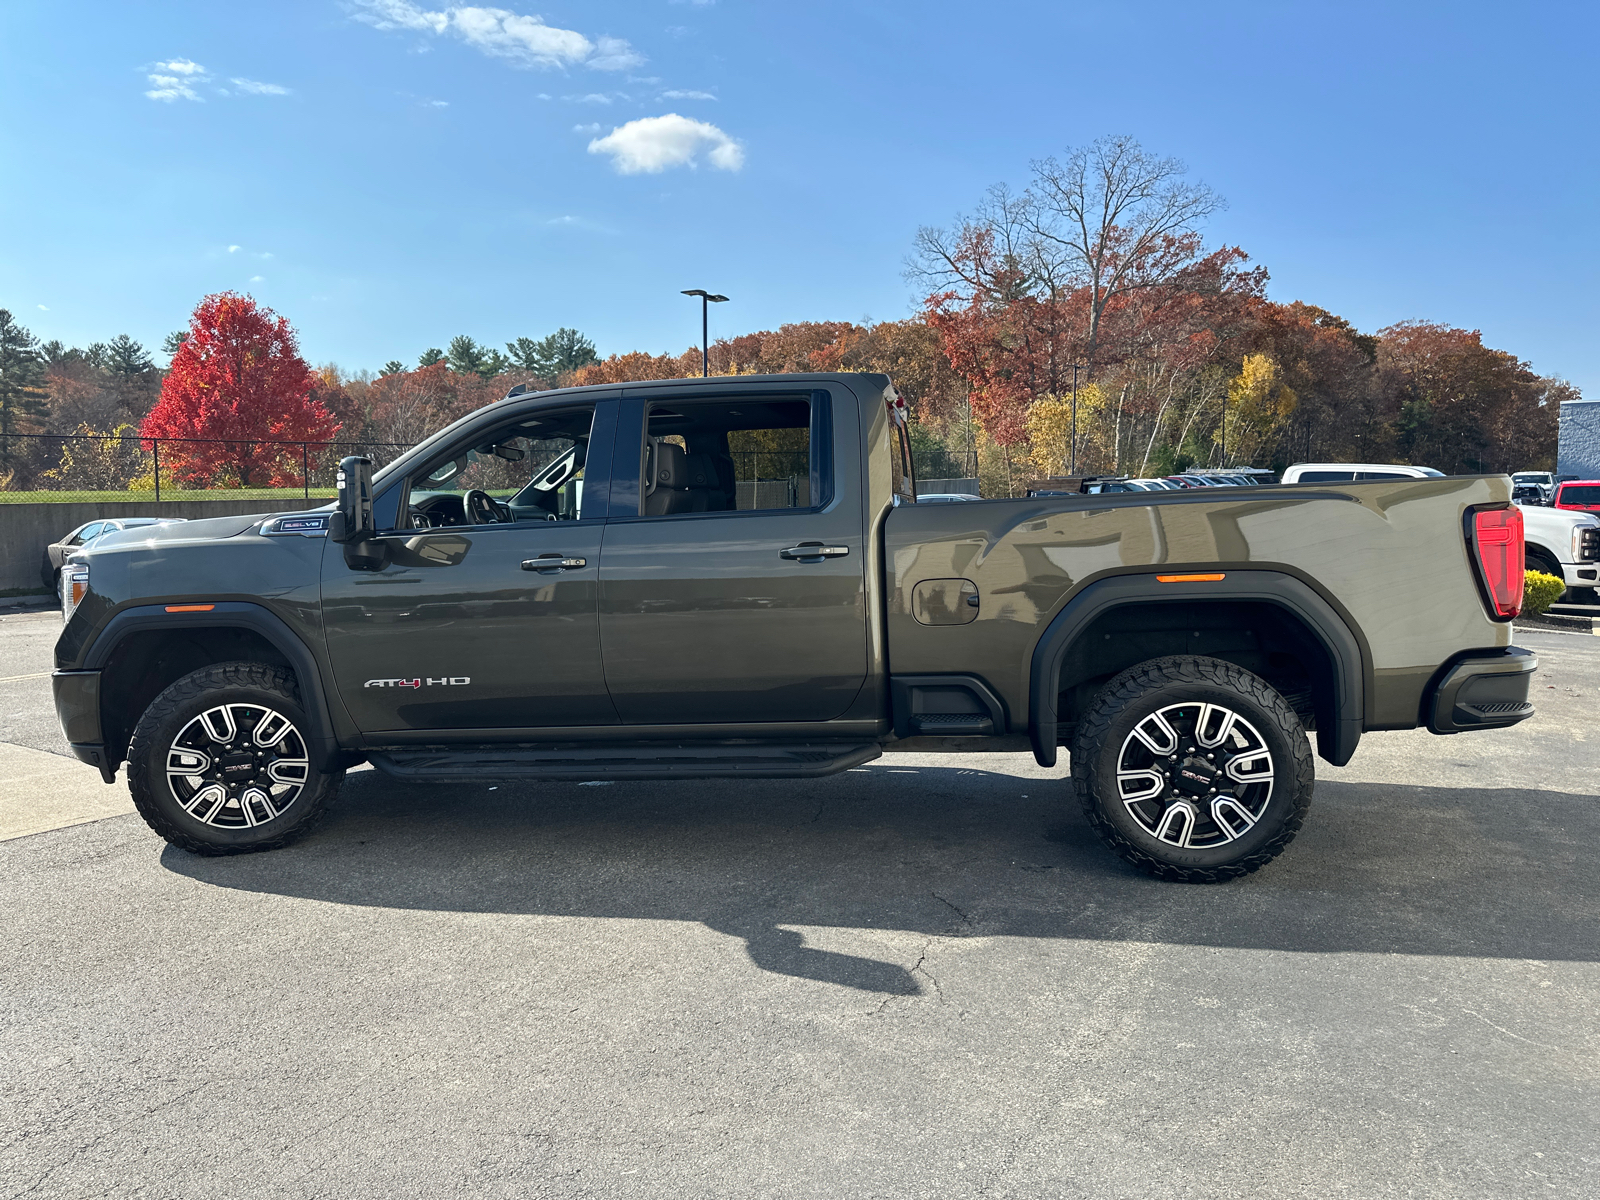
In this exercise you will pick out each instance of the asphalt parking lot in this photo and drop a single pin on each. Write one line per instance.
(920, 978)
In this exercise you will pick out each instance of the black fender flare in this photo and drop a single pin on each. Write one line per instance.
(322, 739)
(1299, 599)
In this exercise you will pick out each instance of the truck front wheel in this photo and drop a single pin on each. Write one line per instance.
(1192, 769)
(219, 762)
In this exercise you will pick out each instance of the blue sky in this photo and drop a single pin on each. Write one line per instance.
(390, 173)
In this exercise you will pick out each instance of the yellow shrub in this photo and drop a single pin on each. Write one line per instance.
(1540, 591)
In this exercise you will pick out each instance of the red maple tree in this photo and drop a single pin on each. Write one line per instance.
(239, 387)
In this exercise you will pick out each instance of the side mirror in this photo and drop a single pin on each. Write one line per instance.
(353, 522)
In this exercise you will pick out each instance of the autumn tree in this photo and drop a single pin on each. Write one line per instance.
(239, 385)
(1120, 219)
(1258, 401)
(1464, 407)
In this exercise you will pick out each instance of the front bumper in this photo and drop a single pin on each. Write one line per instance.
(1487, 689)
(1581, 575)
(77, 695)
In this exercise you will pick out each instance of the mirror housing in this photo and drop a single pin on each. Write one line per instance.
(353, 520)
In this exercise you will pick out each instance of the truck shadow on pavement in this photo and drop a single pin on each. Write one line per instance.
(947, 852)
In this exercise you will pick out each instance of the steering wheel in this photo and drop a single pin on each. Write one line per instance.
(480, 508)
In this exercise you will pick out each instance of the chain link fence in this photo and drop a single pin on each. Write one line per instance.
(46, 467)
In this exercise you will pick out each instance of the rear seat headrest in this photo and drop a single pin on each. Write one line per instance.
(679, 470)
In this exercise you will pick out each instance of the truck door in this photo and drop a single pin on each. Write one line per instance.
(483, 613)
(733, 581)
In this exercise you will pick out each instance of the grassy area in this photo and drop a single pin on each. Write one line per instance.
(322, 495)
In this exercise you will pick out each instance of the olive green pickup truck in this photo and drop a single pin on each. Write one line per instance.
(731, 577)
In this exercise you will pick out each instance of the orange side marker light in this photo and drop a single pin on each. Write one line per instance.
(190, 607)
(1190, 578)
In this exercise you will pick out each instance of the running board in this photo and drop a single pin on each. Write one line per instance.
(751, 760)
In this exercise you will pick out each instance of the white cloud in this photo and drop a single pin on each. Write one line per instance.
(614, 54)
(562, 221)
(234, 249)
(260, 89)
(174, 80)
(591, 98)
(180, 79)
(676, 95)
(167, 87)
(43, 308)
(438, 104)
(652, 144)
(592, 127)
(525, 40)
(258, 279)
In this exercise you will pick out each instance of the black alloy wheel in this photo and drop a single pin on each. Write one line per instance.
(219, 762)
(1192, 769)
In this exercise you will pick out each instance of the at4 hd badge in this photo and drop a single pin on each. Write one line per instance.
(448, 681)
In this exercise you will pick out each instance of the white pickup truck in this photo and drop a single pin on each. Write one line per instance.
(1565, 544)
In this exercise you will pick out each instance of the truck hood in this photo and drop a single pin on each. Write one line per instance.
(208, 530)
(1551, 520)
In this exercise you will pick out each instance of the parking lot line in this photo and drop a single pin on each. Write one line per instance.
(40, 791)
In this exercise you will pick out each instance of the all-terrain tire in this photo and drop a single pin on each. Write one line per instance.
(1104, 738)
(237, 824)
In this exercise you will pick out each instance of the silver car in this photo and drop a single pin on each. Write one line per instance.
(57, 553)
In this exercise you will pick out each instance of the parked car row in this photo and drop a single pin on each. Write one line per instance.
(1556, 491)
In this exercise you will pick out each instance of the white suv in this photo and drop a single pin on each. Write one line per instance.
(1354, 472)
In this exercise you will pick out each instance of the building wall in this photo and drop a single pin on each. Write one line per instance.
(1578, 452)
(26, 529)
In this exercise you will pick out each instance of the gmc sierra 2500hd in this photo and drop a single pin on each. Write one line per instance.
(730, 577)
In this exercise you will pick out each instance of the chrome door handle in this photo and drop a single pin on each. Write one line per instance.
(553, 562)
(814, 552)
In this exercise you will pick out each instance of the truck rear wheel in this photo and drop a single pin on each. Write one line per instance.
(1192, 769)
(219, 762)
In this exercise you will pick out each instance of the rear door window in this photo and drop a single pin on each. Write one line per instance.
(747, 454)
(1580, 495)
(1327, 477)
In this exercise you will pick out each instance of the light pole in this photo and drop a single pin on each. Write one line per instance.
(705, 345)
(1072, 466)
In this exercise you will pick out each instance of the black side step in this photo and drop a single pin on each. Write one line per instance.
(786, 760)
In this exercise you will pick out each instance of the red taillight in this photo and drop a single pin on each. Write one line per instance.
(1497, 537)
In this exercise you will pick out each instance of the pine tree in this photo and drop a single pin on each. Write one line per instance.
(550, 357)
(467, 357)
(393, 367)
(22, 396)
(430, 356)
(126, 359)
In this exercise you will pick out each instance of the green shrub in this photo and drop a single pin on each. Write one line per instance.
(1540, 591)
